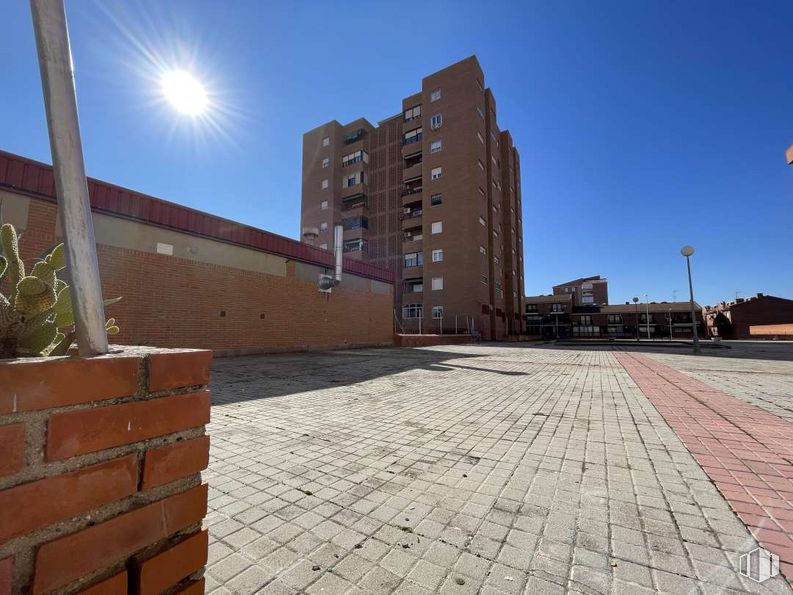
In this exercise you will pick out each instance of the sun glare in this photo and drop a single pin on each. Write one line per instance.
(184, 92)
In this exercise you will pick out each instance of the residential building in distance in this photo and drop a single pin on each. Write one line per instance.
(580, 308)
(734, 320)
(549, 315)
(586, 291)
(432, 194)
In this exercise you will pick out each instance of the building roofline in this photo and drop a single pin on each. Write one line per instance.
(26, 176)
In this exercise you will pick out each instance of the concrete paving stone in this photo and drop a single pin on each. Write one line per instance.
(590, 580)
(229, 567)
(379, 580)
(548, 474)
(249, 581)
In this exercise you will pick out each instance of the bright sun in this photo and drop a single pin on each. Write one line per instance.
(184, 92)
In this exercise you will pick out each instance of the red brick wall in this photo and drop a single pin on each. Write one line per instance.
(100, 485)
(177, 302)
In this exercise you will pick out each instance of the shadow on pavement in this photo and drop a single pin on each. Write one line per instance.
(236, 379)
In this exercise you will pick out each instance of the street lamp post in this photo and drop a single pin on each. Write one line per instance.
(687, 251)
(647, 315)
(636, 307)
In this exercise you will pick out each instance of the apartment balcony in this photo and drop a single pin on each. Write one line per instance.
(411, 193)
(413, 285)
(411, 219)
(358, 201)
(354, 136)
(412, 240)
(412, 173)
(412, 146)
(410, 272)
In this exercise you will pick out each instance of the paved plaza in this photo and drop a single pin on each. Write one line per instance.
(498, 468)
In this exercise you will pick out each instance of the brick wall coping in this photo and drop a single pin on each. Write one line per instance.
(31, 177)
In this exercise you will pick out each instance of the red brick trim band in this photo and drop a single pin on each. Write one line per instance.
(746, 451)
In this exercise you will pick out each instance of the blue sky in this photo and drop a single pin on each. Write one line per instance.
(642, 126)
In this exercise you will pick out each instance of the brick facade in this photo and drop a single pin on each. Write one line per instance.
(746, 313)
(219, 289)
(100, 488)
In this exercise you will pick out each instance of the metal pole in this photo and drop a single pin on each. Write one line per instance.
(647, 306)
(670, 324)
(694, 333)
(60, 102)
(455, 324)
(636, 306)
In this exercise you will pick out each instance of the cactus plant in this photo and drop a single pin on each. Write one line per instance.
(36, 316)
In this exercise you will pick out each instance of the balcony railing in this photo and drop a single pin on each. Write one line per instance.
(412, 139)
(354, 201)
(411, 214)
(411, 190)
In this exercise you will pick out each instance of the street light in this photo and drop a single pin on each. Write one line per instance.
(687, 251)
(647, 307)
(636, 306)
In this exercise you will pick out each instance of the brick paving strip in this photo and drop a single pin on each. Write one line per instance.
(746, 451)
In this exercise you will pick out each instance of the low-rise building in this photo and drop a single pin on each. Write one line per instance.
(580, 308)
(549, 315)
(732, 320)
(656, 320)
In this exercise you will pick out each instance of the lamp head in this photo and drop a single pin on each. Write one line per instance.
(687, 250)
(635, 300)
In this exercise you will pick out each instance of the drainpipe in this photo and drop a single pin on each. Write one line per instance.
(338, 249)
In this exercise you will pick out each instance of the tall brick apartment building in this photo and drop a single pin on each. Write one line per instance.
(432, 194)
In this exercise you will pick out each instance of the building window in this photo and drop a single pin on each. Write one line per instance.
(354, 157)
(436, 121)
(436, 199)
(358, 245)
(585, 320)
(413, 136)
(481, 139)
(412, 113)
(414, 259)
(323, 227)
(615, 318)
(482, 221)
(353, 180)
(436, 173)
(437, 312)
(326, 162)
(496, 260)
(324, 184)
(436, 146)
(481, 113)
(323, 205)
(481, 165)
(482, 192)
(413, 311)
(326, 141)
(360, 222)
(437, 283)
(323, 246)
(437, 226)
(483, 279)
(483, 250)
(557, 307)
(437, 255)
(435, 95)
